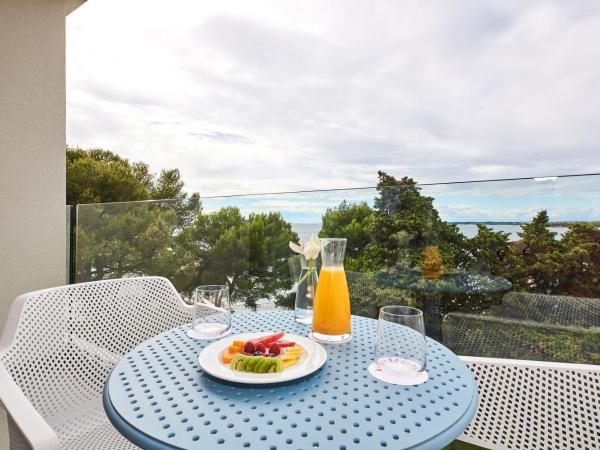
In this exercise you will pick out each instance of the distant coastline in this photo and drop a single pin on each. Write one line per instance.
(551, 224)
(469, 229)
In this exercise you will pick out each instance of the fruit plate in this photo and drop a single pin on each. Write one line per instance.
(312, 359)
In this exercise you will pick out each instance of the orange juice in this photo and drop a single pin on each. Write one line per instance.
(331, 310)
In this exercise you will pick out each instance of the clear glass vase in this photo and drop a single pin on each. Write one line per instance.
(305, 293)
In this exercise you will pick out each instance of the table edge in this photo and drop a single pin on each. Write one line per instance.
(447, 436)
(127, 430)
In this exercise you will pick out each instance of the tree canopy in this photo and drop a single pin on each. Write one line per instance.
(402, 234)
(398, 234)
(354, 222)
(169, 235)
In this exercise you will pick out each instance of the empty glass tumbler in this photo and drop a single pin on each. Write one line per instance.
(211, 312)
(400, 346)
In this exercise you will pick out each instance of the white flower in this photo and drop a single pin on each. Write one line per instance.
(309, 249)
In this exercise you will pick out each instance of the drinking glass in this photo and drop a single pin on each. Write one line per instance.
(211, 312)
(400, 356)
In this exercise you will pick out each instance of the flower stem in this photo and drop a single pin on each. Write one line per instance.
(309, 272)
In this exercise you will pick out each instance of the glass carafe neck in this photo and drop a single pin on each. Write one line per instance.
(333, 251)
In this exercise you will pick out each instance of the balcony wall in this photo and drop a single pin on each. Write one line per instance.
(32, 147)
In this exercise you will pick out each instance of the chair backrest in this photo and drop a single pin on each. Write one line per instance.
(528, 405)
(498, 337)
(562, 310)
(61, 342)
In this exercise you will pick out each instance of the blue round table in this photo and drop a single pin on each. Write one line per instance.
(158, 397)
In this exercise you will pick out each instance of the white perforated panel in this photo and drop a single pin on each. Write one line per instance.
(535, 405)
(69, 338)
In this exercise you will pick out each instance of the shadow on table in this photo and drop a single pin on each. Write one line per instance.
(213, 384)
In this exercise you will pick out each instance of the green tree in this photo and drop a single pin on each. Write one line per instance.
(354, 222)
(100, 176)
(248, 254)
(537, 237)
(530, 264)
(132, 239)
(488, 250)
(122, 236)
(581, 248)
(406, 222)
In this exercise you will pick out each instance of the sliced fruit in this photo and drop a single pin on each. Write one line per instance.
(227, 357)
(263, 356)
(237, 363)
(273, 338)
(274, 349)
(260, 347)
(268, 365)
(262, 366)
(251, 363)
(289, 351)
(277, 366)
(296, 348)
(249, 347)
(289, 363)
(266, 340)
(234, 349)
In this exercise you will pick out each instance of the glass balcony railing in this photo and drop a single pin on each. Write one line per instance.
(506, 269)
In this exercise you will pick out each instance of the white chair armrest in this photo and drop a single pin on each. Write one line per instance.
(32, 425)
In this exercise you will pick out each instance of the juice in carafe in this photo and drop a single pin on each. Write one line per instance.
(331, 314)
(331, 309)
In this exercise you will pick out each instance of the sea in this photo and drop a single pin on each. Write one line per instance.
(305, 230)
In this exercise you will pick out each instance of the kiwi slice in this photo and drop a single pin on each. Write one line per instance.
(251, 363)
(261, 366)
(256, 364)
(277, 366)
(269, 365)
(238, 362)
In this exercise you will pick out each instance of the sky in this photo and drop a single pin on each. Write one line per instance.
(267, 96)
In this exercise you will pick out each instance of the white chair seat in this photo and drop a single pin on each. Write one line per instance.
(87, 427)
(534, 405)
(58, 348)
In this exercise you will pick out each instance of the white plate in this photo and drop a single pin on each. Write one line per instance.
(312, 359)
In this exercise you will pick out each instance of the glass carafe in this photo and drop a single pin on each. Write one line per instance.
(331, 310)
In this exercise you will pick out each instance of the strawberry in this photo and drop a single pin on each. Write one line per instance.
(274, 349)
(249, 348)
(260, 347)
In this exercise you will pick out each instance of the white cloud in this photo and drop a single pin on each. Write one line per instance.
(267, 96)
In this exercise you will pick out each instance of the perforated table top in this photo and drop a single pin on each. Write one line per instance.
(158, 397)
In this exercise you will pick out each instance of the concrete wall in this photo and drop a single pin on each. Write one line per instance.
(32, 147)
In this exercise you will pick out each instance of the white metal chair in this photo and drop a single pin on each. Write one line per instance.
(530, 405)
(525, 404)
(58, 347)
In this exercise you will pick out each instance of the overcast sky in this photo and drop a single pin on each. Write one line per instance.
(251, 96)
